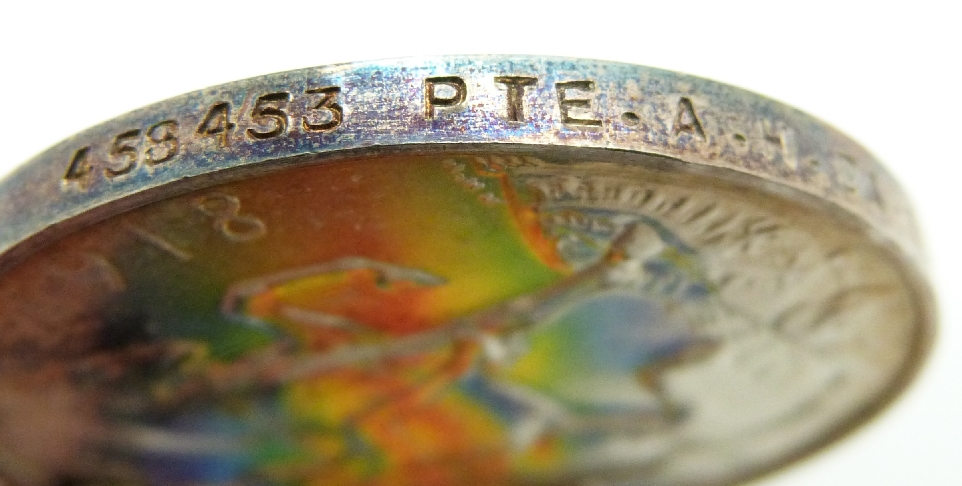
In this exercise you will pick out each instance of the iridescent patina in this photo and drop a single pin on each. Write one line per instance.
(492, 270)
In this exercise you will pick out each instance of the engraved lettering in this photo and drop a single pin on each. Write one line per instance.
(783, 139)
(565, 104)
(217, 123)
(515, 95)
(268, 112)
(686, 120)
(432, 99)
(163, 140)
(817, 173)
(124, 154)
(79, 169)
(225, 212)
(328, 104)
(846, 173)
(854, 179)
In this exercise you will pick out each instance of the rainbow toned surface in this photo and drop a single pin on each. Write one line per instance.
(391, 321)
(545, 271)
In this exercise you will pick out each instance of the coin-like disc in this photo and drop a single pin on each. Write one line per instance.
(435, 316)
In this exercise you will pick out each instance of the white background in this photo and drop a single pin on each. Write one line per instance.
(888, 76)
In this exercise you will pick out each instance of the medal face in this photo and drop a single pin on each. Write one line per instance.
(446, 319)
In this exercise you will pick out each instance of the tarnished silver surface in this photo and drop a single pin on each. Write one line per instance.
(559, 102)
(780, 258)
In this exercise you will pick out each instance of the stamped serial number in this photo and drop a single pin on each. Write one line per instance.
(162, 143)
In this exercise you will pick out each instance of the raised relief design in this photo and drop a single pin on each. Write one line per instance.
(460, 319)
